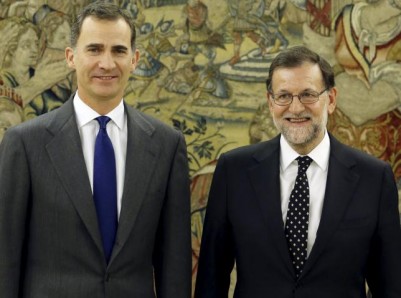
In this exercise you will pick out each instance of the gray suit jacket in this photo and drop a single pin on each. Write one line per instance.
(50, 244)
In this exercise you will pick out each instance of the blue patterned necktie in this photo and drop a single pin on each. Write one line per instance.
(296, 226)
(105, 187)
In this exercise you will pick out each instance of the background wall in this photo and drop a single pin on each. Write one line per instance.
(203, 66)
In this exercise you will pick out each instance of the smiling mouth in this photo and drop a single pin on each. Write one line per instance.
(105, 78)
(298, 120)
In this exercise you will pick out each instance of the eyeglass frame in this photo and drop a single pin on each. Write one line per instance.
(299, 98)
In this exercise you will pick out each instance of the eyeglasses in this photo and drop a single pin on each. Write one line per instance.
(305, 97)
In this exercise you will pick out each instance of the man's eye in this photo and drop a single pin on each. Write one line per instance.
(120, 50)
(308, 95)
(284, 96)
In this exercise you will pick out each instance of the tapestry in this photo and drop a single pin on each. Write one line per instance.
(202, 69)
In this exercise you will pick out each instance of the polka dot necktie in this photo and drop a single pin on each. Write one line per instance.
(296, 227)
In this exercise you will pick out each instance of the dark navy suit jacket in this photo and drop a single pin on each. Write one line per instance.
(358, 239)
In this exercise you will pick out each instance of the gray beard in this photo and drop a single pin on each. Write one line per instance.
(297, 136)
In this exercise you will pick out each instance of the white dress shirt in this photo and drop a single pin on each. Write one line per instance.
(116, 129)
(317, 177)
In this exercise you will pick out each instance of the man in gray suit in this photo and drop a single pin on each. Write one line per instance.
(52, 241)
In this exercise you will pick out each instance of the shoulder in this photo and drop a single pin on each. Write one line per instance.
(255, 152)
(40, 127)
(352, 156)
(26, 137)
(34, 124)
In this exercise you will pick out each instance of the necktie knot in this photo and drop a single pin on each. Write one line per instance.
(103, 120)
(303, 163)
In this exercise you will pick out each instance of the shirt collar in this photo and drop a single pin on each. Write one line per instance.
(86, 114)
(320, 154)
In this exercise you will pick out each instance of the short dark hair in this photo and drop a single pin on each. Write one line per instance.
(296, 56)
(102, 10)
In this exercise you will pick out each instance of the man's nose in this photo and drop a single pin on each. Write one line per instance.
(296, 105)
(107, 61)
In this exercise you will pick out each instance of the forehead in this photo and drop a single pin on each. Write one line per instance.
(106, 32)
(306, 75)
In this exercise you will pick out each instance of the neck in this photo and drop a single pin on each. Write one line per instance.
(101, 106)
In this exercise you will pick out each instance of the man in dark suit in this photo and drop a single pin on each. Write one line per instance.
(54, 239)
(302, 215)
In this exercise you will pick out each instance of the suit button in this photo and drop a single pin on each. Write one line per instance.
(107, 277)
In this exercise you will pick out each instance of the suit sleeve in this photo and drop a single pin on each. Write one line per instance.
(14, 202)
(172, 255)
(216, 259)
(384, 267)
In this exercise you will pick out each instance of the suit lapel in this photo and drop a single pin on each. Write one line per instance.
(65, 152)
(265, 178)
(341, 182)
(140, 164)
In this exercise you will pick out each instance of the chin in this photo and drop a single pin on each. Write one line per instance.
(299, 136)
